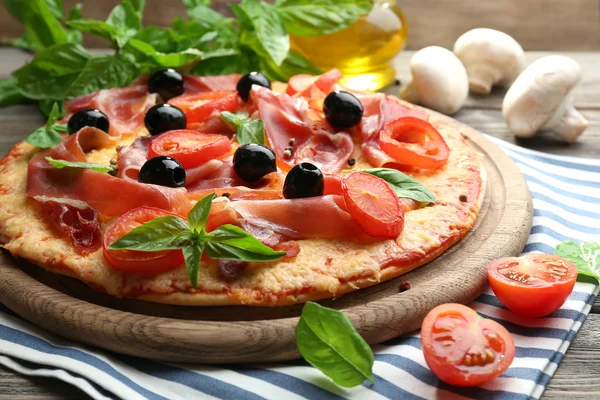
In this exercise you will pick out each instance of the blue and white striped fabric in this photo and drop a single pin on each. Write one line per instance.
(566, 193)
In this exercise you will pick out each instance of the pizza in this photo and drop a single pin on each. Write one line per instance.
(302, 191)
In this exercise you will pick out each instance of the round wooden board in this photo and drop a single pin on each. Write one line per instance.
(259, 334)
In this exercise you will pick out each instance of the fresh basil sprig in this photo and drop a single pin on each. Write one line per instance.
(48, 135)
(329, 342)
(247, 130)
(228, 242)
(404, 185)
(585, 256)
(60, 164)
(207, 44)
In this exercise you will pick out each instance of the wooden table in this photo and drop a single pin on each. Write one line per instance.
(579, 373)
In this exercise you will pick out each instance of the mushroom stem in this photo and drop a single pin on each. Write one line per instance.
(568, 123)
(482, 78)
(409, 93)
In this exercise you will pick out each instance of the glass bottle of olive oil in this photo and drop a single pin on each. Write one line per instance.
(364, 51)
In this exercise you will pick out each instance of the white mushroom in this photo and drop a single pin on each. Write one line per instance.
(439, 81)
(491, 58)
(541, 98)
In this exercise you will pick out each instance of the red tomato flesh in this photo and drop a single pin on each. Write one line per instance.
(373, 204)
(190, 148)
(415, 142)
(533, 285)
(139, 262)
(217, 102)
(464, 349)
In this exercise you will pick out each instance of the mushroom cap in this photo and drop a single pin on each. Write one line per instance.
(539, 93)
(440, 79)
(492, 51)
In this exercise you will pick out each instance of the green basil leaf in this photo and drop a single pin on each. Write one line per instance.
(138, 5)
(46, 106)
(320, 17)
(56, 8)
(206, 16)
(198, 216)
(268, 32)
(192, 255)
(55, 115)
(50, 74)
(10, 94)
(41, 20)
(44, 138)
(251, 131)
(247, 130)
(237, 63)
(61, 128)
(60, 164)
(127, 20)
(73, 35)
(294, 64)
(94, 27)
(191, 4)
(173, 60)
(404, 185)
(162, 233)
(585, 256)
(228, 242)
(163, 40)
(24, 42)
(103, 72)
(329, 342)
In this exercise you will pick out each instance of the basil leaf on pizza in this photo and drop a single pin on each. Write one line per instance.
(60, 164)
(328, 341)
(228, 242)
(198, 216)
(404, 185)
(247, 130)
(48, 135)
(170, 232)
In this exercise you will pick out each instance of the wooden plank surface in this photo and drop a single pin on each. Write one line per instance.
(578, 376)
(536, 24)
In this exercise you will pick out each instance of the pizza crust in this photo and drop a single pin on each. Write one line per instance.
(323, 268)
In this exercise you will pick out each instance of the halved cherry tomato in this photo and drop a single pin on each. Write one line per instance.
(139, 262)
(415, 142)
(373, 204)
(464, 349)
(190, 148)
(217, 101)
(533, 285)
(300, 83)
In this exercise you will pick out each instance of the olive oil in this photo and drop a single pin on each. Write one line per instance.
(364, 51)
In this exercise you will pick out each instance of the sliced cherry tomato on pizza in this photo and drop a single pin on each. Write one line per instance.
(139, 262)
(215, 102)
(464, 349)
(533, 285)
(300, 83)
(190, 148)
(373, 204)
(415, 142)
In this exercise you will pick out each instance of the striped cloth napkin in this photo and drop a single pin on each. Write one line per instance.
(565, 196)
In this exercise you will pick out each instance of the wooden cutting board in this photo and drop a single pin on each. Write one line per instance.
(216, 335)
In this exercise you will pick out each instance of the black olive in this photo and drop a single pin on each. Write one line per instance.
(88, 117)
(304, 180)
(253, 161)
(164, 117)
(168, 83)
(342, 109)
(164, 171)
(253, 78)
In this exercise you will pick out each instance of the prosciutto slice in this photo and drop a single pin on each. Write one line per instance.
(379, 110)
(290, 123)
(124, 107)
(106, 194)
(313, 217)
